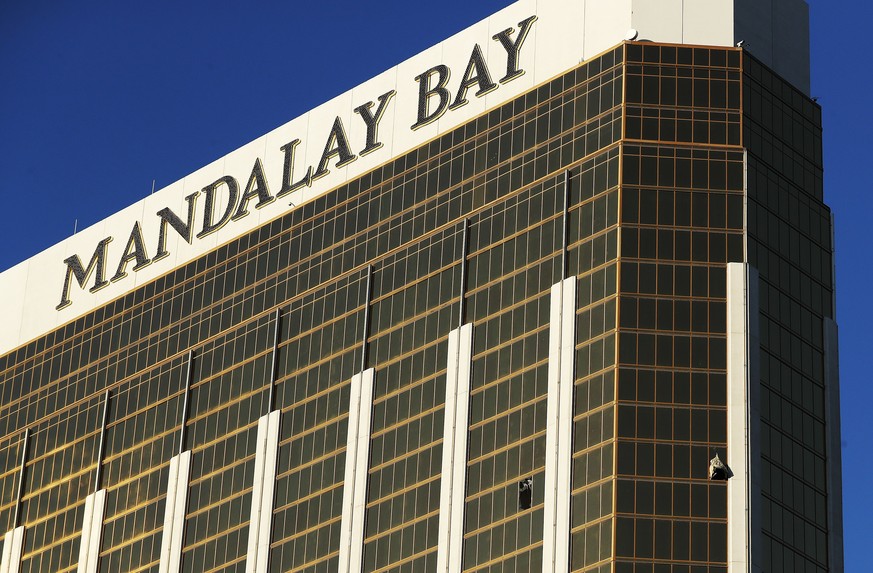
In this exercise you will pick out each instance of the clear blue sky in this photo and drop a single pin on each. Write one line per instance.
(99, 98)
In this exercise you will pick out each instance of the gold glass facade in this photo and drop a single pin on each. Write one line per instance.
(640, 153)
(682, 221)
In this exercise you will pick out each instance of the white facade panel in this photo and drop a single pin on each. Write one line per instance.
(37, 315)
(659, 20)
(263, 489)
(454, 462)
(176, 247)
(195, 183)
(241, 165)
(565, 425)
(174, 513)
(355, 485)
(606, 24)
(755, 26)
(462, 426)
(356, 555)
(403, 136)
(559, 427)
(708, 22)
(559, 46)
(296, 129)
(321, 122)
(13, 544)
(14, 287)
(533, 47)
(92, 532)
(790, 39)
(777, 33)
(349, 473)
(744, 431)
(456, 55)
(550, 493)
(384, 83)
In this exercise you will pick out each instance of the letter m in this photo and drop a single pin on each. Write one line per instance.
(96, 266)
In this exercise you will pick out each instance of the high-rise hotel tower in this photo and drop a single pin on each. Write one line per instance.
(553, 295)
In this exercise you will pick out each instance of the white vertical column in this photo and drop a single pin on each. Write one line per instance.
(13, 544)
(744, 420)
(13, 540)
(92, 531)
(174, 513)
(261, 518)
(559, 427)
(351, 550)
(833, 446)
(456, 425)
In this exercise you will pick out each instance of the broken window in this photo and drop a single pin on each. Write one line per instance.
(525, 493)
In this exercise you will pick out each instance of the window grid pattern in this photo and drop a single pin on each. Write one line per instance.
(791, 245)
(137, 344)
(682, 219)
(653, 220)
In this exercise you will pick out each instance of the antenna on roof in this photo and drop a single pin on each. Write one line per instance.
(631, 35)
(75, 226)
(741, 43)
(153, 186)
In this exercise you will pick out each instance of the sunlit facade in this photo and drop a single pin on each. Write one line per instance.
(516, 347)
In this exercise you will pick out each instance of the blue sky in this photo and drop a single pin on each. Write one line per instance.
(100, 98)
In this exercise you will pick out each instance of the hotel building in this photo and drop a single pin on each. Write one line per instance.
(553, 295)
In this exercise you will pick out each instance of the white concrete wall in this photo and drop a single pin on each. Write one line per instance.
(708, 22)
(263, 490)
(173, 534)
(744, 420)
(559, 427)
(566, 31)
(777, 33)
(351, 550)
(92, 532)
(456, 427)
(13, 544)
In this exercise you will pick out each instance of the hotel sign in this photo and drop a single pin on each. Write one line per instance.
(445, 86)
(229, 199)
